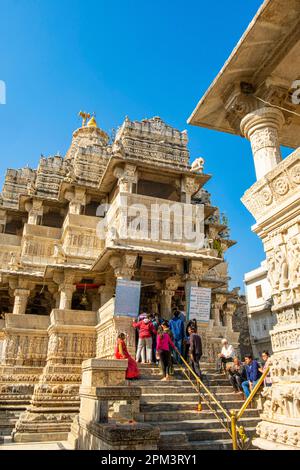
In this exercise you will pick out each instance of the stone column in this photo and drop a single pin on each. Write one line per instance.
(261, 127)
(217, 305)
(229, 312)
(21, 299)
(127, 176)
(167, 293)
(188, 187)
(106, 292)
(35, 211)
(77, 200)
(124, 267)
(66, 294)
(274, 202)
(192, 279)
(3, 218)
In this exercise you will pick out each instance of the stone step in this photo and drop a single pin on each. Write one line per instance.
(193, 426)
(160, 416)
(179, 384)
(150, 406)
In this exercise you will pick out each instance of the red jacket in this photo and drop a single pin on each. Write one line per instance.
(145, 329)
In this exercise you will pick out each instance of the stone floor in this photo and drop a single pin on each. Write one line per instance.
(9, 445)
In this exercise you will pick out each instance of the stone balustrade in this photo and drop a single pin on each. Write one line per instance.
(79, 238)
(155, 223)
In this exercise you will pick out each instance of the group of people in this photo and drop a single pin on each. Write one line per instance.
(243, 376)
(169, 342)
(163, 341)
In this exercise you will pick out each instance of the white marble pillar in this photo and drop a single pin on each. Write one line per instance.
(262, 128)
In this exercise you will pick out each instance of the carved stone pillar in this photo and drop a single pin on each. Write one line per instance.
(3, 217)
(192, 280)
(167, 293)
(127, 176)
(106, 292)
(261, 127)
(124, 267)
(217, 304)
(188, 187)
(229, 312)
(77, 200)
(21, 299)
(274, 202)
(35, 211)
(66, 294)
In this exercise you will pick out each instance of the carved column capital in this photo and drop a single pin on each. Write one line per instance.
(126, 177)
(124, 267)
(262, 127)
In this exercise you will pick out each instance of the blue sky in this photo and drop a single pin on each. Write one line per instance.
(125, 57)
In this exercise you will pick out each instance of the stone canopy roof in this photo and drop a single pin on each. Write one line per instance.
(265, 64)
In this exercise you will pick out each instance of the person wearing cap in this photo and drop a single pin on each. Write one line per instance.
(227, 354)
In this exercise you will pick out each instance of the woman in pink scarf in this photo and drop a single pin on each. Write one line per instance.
(163, 349)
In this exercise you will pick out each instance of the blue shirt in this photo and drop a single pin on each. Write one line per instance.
(252, 372)
(176, 325)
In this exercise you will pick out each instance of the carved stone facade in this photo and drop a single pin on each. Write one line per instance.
(66, 238)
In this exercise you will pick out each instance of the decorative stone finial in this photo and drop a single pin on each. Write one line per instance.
(92, 122)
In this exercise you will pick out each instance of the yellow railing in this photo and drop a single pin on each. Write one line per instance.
(236, 416)
(204, 392)
(228, 421)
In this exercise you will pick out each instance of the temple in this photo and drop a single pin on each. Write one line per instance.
(74, 227)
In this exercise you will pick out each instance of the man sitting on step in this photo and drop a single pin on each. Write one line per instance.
(227, 354)
(237, 375)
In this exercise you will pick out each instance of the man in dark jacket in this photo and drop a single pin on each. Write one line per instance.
(237, 375)
(195, 350)
(253, 374)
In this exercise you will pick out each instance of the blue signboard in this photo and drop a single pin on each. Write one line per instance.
(127, 303)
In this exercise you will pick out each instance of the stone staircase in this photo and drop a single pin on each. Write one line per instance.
(173, 406)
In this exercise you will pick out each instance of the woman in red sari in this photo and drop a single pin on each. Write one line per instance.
(122, 353)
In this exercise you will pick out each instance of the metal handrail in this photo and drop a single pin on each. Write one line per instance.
(204, 386)
(252, 394)
(234, 430)
(235, 416)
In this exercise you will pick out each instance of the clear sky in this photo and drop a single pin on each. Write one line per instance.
(125, 57)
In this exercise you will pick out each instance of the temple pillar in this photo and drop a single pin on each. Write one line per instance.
(167, 293)
(35, 211)
(192, 279)
(261, 127)
(217, 304)
(274, 202)
(109, 325)
(3, 218)
(77, 200)
(66, 294)
(188, 187)
(21, 299)
(127, 176)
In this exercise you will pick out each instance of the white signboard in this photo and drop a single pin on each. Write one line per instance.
(127, 302)
(200, 304)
